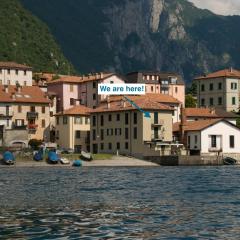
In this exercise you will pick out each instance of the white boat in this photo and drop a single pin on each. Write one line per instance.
(64, 161)
(86, 156)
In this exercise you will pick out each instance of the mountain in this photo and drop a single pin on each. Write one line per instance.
(129, 35)
(25, 39)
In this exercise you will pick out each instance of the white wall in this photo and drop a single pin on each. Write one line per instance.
(224, 130)
(193, 145)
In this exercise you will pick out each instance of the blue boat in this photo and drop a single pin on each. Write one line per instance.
(8, 158)
(39, 155)
(53, 157)
(77, 163)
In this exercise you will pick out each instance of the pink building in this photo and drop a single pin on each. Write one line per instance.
(156, 82)
(76, 90)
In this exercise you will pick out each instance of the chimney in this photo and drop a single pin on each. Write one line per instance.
(231, 70)
(101, 75)
(13, 96)
(19, 89)
(123, 103)
(182, 124)
(212, 110)
(108, 102)
(6, 88)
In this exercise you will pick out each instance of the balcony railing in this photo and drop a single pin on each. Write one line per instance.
(6, 114)
(158, 123)
(32, 115)
(216, 149)
(32, 126)
(157, 137)
(19, 127)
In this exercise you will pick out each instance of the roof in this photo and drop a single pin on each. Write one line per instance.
(76, 110)
(230, 73)
(155, 97)
(196, 125)
(14, 65)
(144, 103)
(208, 113)
(81, 79)
(28, 94)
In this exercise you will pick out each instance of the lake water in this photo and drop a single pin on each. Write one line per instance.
(120, 203)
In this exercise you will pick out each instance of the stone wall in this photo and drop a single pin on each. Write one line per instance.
(13, 137)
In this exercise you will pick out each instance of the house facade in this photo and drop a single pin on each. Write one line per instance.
(73, 128)
(117, 127)
(219, 90)
(12, 73)
(156, 82)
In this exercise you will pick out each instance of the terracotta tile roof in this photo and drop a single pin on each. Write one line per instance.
(80, 79)
(76, 110)
(28, 94)
(155, 97)
(13, 65)
(231, 73)
(196, 125)
(123, 105)
(208, 113)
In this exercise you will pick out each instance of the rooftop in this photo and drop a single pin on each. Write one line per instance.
(208, 113)
(76, 110)
(231, 73)
(27, 94)
(14, 65)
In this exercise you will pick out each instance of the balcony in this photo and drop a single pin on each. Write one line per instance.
(216, 149)
(157, 137)
(6, 114)
(158, 123)
(87, 140)
(164, 87)
(19, 127)
(32, 126)
(32, 115)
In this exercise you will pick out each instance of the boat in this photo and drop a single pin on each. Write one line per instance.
(64, 161)
(229, 161)
(53, 157)
(86, 156)
(8, 158)
(77, 163)
(38, 156)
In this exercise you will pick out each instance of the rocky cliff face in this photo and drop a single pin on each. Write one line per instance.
(129, 35)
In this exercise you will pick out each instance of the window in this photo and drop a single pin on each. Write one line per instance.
(71, 101)
(77, 134)
(78, 120)
(126, 118)
(220, 101)
(151, 88)
(202, 102)
(102, 146)
(94, 121)
(71, 88)
(65, 120)
(135, 133)
(213, 141)
(189, 141)
(211, 86)
(43, 109)
(233, 101)
(32, 109)
(94, 84)
(220, 86)
(176, 89)
(110, 146)
(102, 120)
(135, 118)
(87, 120)
(16, 72)
(94, 134)
(51, 113)
(102, 134)
(25, 72)
(94, 96)
(232, 141)
(118, 145)
(126, 145)
(25, 83)
(57, 120)
(118, 131)
(195, 139)
(233, 86)
(8, 71)
(19, 108)
(126, 133)
(109, 117)
(202, 87)
(43, 123)
(156, 118)
(118, 117)
(19, 122)
(211, 101)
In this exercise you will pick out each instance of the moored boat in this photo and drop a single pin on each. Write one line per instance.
(64, 161)
(229, 161)
(86, 156)
(8, 158)
(38, 156)
(77, 163)
(53, 157)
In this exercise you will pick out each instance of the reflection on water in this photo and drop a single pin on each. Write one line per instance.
(120, 203)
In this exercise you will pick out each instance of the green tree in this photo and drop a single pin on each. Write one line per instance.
(191, 102)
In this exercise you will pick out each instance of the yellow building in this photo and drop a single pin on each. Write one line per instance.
(73, 128)
(120, 127)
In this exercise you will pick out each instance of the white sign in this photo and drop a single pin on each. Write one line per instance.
(121, 89)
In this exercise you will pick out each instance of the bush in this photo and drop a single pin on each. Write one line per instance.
(35, 143)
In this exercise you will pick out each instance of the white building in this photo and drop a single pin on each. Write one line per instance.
(209, 137)
(12, 73)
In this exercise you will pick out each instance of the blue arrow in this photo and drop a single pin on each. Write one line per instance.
(146, 114)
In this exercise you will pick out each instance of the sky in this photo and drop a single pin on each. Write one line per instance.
(223, 7)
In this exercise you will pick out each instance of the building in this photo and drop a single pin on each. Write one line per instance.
(23, 108)
(219, 90)
(156, 82)
(119, 127)
(209, 137)
(76, 90)
(196, 114)
(12, 73)
(73, 128)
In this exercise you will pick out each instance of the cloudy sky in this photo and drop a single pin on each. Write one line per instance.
(224, 7)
